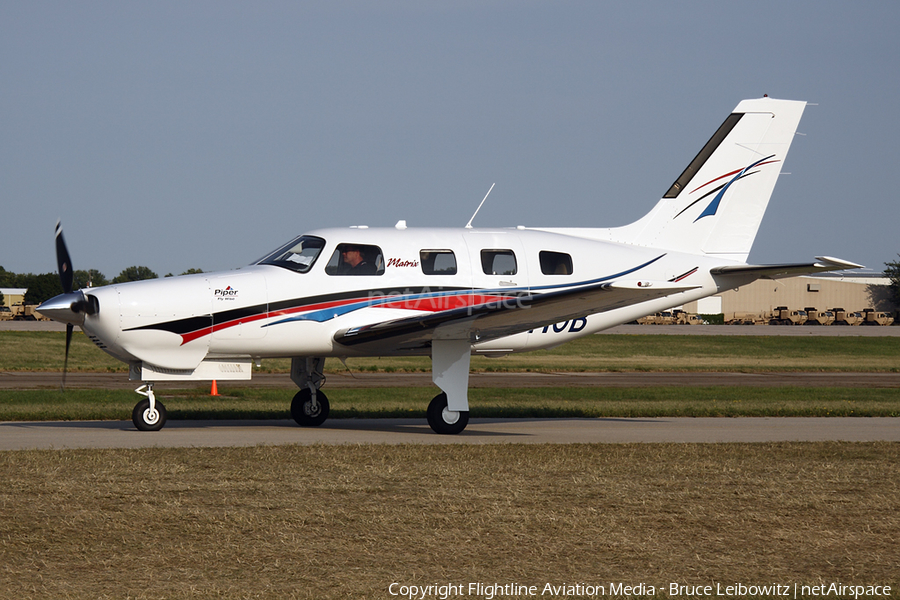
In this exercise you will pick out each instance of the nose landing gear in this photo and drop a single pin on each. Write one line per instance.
(148, 414)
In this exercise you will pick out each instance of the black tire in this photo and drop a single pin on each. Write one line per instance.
(144, 421)
(302, 410)
(444, 421)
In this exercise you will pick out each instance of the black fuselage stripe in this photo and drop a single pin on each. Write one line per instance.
(192, 324)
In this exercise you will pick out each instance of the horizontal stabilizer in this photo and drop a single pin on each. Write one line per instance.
(826, 263)
(506, 316)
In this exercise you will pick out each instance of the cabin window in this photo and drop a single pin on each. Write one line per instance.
(298, 255)
(356, 259)
(438, 262)
(555, 263)
(498, 262)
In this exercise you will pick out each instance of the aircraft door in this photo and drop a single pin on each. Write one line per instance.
(499, 267)
(446, 270)
(498, 261)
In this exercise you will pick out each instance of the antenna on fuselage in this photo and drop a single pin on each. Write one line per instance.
(469, 224)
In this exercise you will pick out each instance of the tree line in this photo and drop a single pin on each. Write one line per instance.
(892, 272)
(46, 285)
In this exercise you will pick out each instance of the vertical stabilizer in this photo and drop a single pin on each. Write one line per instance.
(716, 205)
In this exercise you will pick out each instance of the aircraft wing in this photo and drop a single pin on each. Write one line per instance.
(826, 263)
(506, 314)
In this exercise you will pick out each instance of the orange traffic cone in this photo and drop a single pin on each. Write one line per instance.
(215, 389)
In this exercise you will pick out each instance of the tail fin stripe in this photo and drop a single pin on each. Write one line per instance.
(710, 193)
(732, 173)
(741, 174)
(716, 179)
(706, 195)
(714, 205)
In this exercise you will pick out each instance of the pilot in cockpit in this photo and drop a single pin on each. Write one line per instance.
(353, 262)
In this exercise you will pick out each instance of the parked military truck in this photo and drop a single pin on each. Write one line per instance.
(818, 317)
(686, 318)
(27, 312)
(747, 318)
(782, 315)
(665, 318)
(845, 317)
(660, 318)
(873, 317)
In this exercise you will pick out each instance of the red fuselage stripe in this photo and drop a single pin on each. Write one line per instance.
(431, 304)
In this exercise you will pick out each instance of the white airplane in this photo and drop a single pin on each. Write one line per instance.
(447, 293)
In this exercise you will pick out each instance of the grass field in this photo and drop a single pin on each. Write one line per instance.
(43, 351)
(347, 521)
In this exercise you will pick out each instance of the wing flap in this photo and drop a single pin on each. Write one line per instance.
(500, 318)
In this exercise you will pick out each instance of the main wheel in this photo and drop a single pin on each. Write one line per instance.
(145, 419)
(303, 411)
(445, 421)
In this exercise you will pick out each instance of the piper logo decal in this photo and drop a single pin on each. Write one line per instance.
(228, 293)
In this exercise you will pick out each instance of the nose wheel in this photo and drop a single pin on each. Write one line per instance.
(149, 414)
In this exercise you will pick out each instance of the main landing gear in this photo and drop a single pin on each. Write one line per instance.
(443, 420)
(309, 408)
(148, 414)
(448, 413)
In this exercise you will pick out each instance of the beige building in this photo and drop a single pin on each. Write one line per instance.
(13, 296)
(823, 292)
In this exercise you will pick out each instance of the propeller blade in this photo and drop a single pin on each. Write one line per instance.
(63, 262)
(69, 328)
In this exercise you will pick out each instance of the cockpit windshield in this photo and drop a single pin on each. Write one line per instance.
(297, 255)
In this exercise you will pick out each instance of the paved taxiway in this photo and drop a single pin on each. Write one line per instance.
(211, 434)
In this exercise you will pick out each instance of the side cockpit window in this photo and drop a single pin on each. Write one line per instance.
(438, 262)
(555, 263)
(298, 255)
(498, 262)
(356, 259)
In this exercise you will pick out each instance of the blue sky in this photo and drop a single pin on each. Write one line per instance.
(203, 134)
